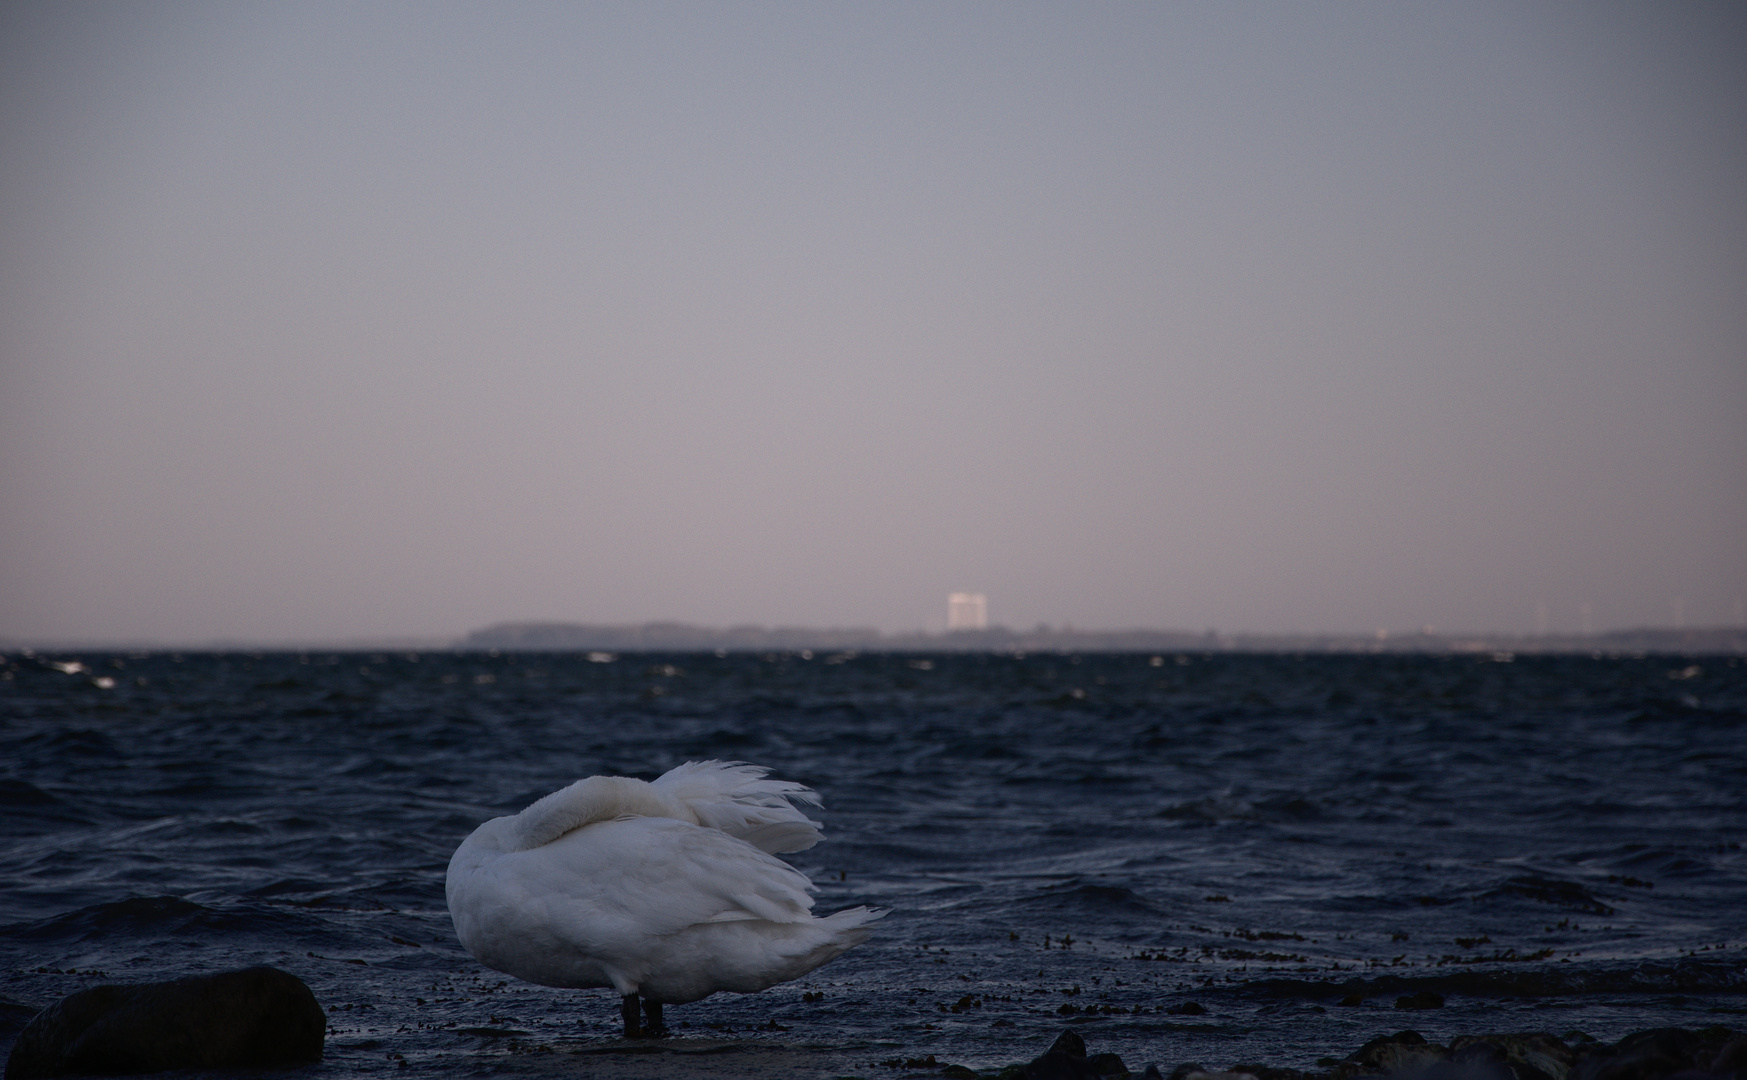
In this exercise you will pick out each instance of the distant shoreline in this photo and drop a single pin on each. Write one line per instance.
(682, 637)
(674, 637)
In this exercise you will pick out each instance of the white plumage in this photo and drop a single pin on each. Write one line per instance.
(666, 890)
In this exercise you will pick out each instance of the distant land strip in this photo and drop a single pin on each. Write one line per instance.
(682, 637)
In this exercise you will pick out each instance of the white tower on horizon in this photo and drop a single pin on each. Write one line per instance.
(967, 611)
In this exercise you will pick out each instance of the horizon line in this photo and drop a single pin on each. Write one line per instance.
(993, 638)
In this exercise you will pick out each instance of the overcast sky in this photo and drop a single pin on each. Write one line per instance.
(332, 321)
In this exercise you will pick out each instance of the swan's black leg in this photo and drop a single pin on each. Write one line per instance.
(653, 1028)
(628, 1010)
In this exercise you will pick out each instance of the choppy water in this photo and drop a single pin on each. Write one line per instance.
(1552, 843)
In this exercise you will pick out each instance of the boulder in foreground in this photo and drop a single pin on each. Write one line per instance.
(1067, 1060)
(253, 1018)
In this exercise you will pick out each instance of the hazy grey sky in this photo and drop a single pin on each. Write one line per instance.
(338, 320)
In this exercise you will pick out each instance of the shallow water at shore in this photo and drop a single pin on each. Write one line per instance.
(1551, 844)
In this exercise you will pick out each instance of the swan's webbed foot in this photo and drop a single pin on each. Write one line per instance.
(628, 1010)
(653, 1028)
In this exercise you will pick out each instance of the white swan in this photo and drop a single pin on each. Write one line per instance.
(666, 890)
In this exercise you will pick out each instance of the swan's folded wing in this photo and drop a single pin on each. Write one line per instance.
(736, 798)
(656, 876)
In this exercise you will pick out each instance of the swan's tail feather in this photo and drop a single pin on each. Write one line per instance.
(853, 925)
(736, 798)
(842, 931)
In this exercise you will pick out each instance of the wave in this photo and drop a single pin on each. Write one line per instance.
(1228, 807)
(22, 795)
(73, 742)
(1097, 899)
(152, 917)
(1557, 892)
(23, 800)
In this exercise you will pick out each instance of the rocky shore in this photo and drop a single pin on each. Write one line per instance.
(1712, 1053)
(262, 1017)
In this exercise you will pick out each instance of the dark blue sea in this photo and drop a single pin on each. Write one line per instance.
(1103, 842)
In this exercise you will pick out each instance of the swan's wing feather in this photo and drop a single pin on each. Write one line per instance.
(737, 799)
(662, 875)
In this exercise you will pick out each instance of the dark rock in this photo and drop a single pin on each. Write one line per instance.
(1192, 1071)
(1661, 1052)
(1643, 1054)
(1402, 1052)
(1267, 1072)
(1353, 999)
(254, 1018)
(1478, 1061)
(1066, 1060)
(1109, 1066)
(1732, 1058)
(1532, 1055)
(14, 1016)
(1070, 1043)
(1714, 1053)
(1425, 999)
(1400, 1038)
(1187, 1008)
